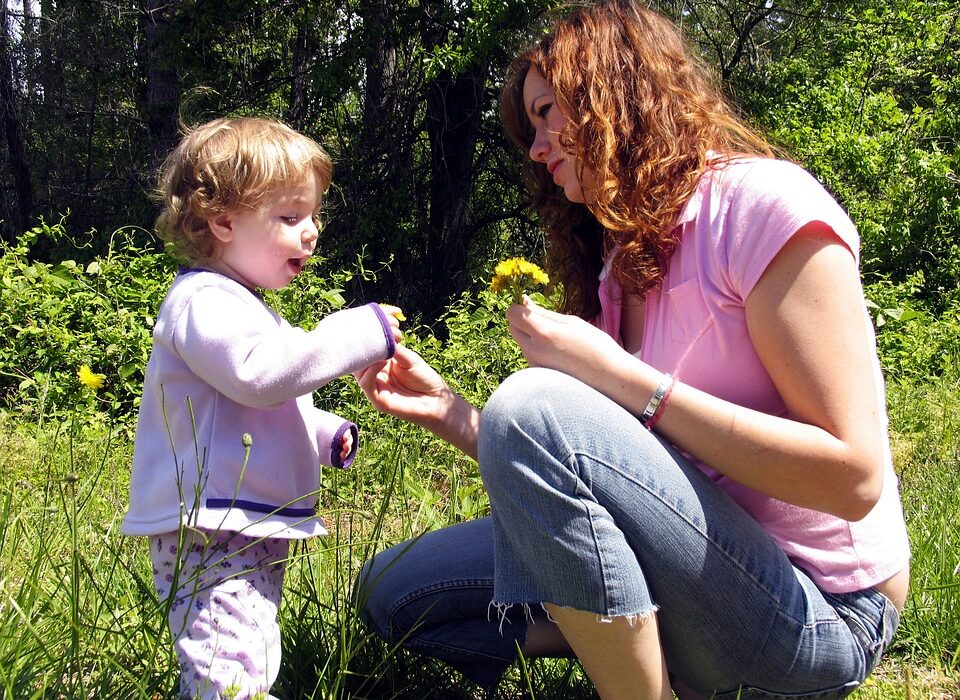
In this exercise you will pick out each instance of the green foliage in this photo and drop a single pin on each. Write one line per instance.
(56, 317)
(870, 108)
(77, 611)
(479, 352)
(925, 419)
(915, 343)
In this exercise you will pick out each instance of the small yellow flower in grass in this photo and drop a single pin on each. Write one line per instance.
(516, 275)
(89, 378)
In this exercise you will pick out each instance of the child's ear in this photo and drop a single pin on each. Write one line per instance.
(221, 226)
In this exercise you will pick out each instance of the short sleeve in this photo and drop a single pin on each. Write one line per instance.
(767, 205)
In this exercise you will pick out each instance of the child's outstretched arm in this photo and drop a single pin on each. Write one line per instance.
(246, 355)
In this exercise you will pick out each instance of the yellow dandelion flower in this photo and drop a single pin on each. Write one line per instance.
(516, 275)
(89, 378)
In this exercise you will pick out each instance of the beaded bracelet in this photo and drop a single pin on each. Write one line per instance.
(651, 414)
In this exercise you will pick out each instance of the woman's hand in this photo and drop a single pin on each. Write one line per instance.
(407, 387)
(404, 386)
(561, 342)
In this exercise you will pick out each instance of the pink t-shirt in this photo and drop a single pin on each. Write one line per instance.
(695, 327)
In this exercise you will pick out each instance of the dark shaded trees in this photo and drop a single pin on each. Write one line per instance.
(404, 95)
(19, 212)
(414, 172)
(161, 84)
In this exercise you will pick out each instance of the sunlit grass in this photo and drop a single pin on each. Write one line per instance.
(79, 617)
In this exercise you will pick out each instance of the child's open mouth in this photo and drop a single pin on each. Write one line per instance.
(296, 264)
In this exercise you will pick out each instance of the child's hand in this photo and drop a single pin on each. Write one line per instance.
(394, 316)
(346, 445)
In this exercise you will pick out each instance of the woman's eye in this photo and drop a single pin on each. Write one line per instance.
(290, 219)
(542, 112)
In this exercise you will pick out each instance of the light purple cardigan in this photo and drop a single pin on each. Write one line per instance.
(224, 365)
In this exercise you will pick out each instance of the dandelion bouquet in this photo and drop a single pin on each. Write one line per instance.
(516, 276)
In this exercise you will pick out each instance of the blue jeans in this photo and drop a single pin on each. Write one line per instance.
(592, 511)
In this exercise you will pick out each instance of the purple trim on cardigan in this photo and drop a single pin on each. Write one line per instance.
(185, 269)
(387, 330)
(260, 507)
(336, 443)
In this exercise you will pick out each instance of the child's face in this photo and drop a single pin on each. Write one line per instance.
(267, 247)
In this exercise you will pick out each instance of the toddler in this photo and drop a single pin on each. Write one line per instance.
(228, 444)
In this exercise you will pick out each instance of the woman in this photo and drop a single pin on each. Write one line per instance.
(692, 484)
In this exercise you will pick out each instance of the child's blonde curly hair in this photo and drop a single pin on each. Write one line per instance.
(228, 163)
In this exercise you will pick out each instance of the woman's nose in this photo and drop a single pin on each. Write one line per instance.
(540, 148)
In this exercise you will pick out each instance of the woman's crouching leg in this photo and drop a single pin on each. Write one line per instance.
(545, 440)
(433, 594)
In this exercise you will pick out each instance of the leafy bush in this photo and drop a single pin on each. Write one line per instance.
(56, 317)
(915, 343)
(872, 114)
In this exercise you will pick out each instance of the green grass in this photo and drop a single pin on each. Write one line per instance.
(79, 617)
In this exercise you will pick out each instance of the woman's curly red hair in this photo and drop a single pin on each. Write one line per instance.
(646, 115)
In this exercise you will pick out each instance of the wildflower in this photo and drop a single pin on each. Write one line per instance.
(89, 378)
(391, 310)
(515, 275)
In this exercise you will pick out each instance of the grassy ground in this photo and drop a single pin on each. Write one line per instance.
(79, 619)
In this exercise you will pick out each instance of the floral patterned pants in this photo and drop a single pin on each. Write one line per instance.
(221, 591)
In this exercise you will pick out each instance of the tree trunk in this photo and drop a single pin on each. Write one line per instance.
(51, 72)
(297, 101)
(381, 61)
(161, 103)
(454, 108)
(13, 131)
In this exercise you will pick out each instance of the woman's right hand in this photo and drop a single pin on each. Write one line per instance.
(404, 386)
(565, 343)
(407, 387)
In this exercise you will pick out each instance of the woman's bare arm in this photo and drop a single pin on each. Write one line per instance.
(805, 318)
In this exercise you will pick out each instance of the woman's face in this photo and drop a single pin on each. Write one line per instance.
(548, 121)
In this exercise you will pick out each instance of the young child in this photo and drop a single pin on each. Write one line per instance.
(228, 444)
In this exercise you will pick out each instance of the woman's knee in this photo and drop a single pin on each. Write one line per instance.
(529, 407)
(518, 392)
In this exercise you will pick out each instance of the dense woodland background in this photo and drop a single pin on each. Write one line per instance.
(427, 196)
(404, 93)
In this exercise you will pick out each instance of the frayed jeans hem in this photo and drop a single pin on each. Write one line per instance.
(503, 608)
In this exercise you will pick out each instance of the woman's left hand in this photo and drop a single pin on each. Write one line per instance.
(561, 342)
